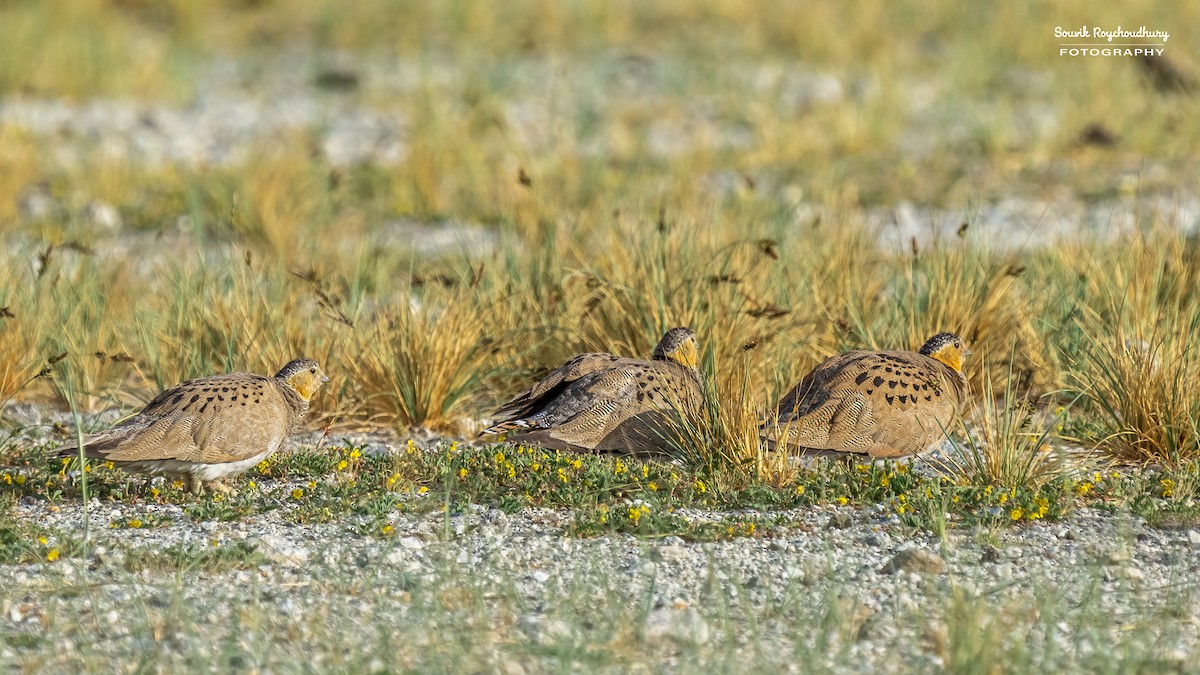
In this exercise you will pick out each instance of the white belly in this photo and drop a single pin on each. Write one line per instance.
(206, 472)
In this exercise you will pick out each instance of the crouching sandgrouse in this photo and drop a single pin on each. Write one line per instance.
(879, 404)
(609, 403)
(211, 427)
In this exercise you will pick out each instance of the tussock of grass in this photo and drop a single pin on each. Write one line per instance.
(1139, 360)
(1008, 440)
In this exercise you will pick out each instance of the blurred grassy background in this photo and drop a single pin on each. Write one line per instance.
(611, 169)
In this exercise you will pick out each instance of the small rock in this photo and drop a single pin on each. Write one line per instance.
(411, 543)
(279, 550)
(684, 627)
(540, 576)
(914, 560)
(1194, 537)
(991, 554)
(840, 520)
(1134, 573)
(671, 553)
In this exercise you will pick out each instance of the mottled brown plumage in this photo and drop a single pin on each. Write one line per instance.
(211, 427)
(608, 403)
(879, 404)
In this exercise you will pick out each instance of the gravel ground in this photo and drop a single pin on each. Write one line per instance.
(878, 596)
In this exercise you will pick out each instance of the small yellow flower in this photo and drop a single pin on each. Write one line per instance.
(110, 465)
(700, 486)
(264, 467)
(1168, 487)
(43, 541)
(355, 454)
(799, 489)
(387, 529)
(750, 527)
(135, 523)
(645, 471)
(954, 499)
(578, 464)
(297, 494)
(21, 479)
(312, 485)
(154, 491)
(562, 475)
(1017, 513)
(253, 485)
(535, 467)
(634, 514)
(422, 490)
(842, 501)
(462, 473)
(410, 447)
(52, 555)
(653, 487)
(1083, 488)
(342, 465)
(392, 479)
(1004, 498)
(8, 479)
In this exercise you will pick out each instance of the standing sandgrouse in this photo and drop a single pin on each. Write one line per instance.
(880, 404)
(211, 427)
(608, 403)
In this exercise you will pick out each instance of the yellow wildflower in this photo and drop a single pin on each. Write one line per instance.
(535, 467)
(410, 447)
(1017, 513)
(21, 479)
(462, 473)
(842, 501)
(1168, 487)
(135, 523)
(799, 489)
(422, 490)
(387, 529)
(700, 486)
(43, 541)
(653, 487)
(297, 493)
(52, 555)
(355, 454)
(342, 465)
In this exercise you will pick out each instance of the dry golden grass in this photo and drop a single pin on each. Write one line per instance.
(767, 247)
